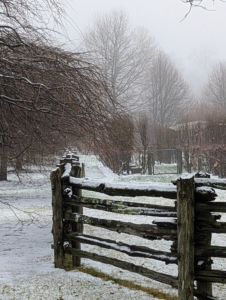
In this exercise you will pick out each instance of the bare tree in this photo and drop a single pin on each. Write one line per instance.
(114, 146)
(143, 139)
(203, 141)
(167, 94)
(214, 93)
(200, 4)
(47, 93)
(122, 54)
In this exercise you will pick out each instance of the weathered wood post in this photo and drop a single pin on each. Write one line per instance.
(60, 180)
(203, 237)
(77, 171)
(185, 235)
(57, 229)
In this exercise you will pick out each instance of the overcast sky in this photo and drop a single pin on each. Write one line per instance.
(194, 43)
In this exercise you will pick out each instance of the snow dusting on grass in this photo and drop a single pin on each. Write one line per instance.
(27, 270)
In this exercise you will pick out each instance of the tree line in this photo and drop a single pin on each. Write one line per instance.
(118, 94)
(148, 91)
(48, 94)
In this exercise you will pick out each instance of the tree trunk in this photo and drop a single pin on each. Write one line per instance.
(19, 164)
(179, 161)
(150, 163)
(3, 160)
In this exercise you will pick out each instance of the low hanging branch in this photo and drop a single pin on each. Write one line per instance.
(32, 216)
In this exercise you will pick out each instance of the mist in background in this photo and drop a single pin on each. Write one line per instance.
(194, 40)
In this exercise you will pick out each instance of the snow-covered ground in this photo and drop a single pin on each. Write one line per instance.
(26, 261)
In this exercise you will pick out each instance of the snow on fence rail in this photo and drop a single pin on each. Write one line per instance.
(189, 225)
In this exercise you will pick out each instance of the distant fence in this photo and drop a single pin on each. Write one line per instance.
(155, 162)
(189, 226)
(166, 161)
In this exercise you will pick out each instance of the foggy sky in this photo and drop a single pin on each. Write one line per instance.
(194, 43)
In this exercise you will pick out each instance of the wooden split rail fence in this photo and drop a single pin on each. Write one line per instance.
(189, 225)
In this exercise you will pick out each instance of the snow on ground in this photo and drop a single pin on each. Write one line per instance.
(26, 261)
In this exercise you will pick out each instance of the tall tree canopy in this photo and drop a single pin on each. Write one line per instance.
(167, 94)
(122, 54)
(214, 93)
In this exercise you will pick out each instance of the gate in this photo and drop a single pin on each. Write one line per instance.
(165, 161)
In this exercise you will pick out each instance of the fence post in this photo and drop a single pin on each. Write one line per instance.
(179, 161)
(57, 229)
(77, 171)
(185, 234)
(203, 238)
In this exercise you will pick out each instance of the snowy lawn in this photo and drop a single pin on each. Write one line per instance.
(26, 261)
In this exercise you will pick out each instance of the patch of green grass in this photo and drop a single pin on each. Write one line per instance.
(68, 266)
(126, 283)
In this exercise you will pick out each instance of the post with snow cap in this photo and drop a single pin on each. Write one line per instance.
(57, 207)
(72, 167)
(60, 180)
(77, 171)
(185, 236)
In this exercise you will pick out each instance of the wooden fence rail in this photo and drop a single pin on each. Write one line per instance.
(189, 225)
